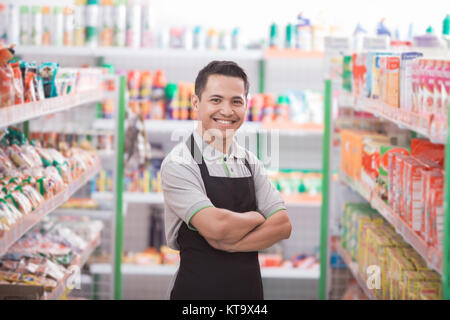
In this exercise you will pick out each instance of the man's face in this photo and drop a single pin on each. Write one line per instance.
(223, 106)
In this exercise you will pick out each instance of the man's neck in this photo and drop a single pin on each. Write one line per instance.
(223, 145)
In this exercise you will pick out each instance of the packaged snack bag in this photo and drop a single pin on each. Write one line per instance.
(7, 93)
(47, 73)
(17, 83)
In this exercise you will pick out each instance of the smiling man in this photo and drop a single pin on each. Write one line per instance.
(220, 207)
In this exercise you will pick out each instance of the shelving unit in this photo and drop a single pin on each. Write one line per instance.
(16, 114)
(436, 131)
(169, 270)
(30, 220)
(65, 285)
(354, 269)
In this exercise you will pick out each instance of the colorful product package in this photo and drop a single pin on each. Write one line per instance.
(437, 218)
(373, 76)
(432, 179)
(383, 177)
(414, 193)
(406, 79)
(47, 73)
(391, 95)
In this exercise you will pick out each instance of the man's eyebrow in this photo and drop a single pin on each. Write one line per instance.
(216, 96)
(237, 97)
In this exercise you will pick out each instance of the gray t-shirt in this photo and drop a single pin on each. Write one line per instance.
(184, 190)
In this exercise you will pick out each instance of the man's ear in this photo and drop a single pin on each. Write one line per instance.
(194, 101)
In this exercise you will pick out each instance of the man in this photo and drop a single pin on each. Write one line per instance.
(220, 207)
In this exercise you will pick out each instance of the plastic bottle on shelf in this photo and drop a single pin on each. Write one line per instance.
(120, 23)
(358, 37)
(58, 26)
(25, 30)
(235, 43)
(273, 41)
(36, 29)
(146, 29)
(192, 110)
(79, 22)
(47, 26)
(289, 39)
(145, 85)
(282, 109)
(268, 111)
(133, 24)
(223, 40)
(172, 102)
(92, 18)
(211, 39)
(106, 24)
(304, 34)
(198, 37)
(446, 31)
(68, 26)
(158, 96)
(3, 23)
(13, 24)
(256, 107)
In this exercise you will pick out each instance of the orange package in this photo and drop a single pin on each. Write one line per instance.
(437, 218)
(413, 195)
(432, 179)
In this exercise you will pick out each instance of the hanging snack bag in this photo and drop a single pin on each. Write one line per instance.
(6, 86)
(47, 72)
(17, 83)
(20, 159)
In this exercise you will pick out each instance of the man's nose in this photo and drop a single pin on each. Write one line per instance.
(227, 109)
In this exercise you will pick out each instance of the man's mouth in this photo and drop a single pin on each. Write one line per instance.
(224, 121)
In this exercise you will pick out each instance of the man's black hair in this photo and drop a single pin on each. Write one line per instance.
(226, 68)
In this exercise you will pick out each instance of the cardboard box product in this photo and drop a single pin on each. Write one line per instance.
(437, 218)
(406, 79)
(414, 193)
(392, 81)
(359, 74)
(398, 265)
(383, 177)
(432, 179)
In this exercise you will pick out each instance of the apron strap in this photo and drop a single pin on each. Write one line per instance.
(198, 158)
(197, 155)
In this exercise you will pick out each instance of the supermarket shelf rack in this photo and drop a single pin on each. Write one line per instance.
(354, 269)
(30, 220)
(27, 111)
(65, 285)
(169, 270)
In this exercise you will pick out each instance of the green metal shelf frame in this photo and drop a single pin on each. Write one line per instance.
(324, 240)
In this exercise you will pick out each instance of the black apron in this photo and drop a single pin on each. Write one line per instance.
(206, 273)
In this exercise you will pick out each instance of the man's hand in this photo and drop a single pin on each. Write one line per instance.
(275, 228)
(224, 225)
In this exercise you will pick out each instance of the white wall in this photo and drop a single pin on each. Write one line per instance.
(255, 16)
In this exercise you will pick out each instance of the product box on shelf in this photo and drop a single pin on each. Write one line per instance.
(406, 80)
(432, 180)
(392, 81)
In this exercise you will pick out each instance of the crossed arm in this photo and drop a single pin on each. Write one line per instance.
(241, 232)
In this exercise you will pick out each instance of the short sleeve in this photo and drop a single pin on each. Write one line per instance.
(268, 198)
(183, 189)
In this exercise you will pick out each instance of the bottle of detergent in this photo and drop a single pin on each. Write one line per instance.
(158, 107)
(303, 34)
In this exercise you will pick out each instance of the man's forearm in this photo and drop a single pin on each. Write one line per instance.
(274, 229)
(240, 224)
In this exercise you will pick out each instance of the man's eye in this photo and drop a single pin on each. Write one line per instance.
(216, 100)
(238, 102)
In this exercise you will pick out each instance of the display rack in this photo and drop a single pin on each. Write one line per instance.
(22, 113)
(33, 218)
(429, 254)
(65, 286)
(169, 270)
(395, 115)
(438, 261)
(354, 269)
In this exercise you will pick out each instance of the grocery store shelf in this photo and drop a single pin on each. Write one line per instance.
(169, 270)
(30, 220)
(79, 212)
(186, 126)
(354, 269)
(158, 198)
(429, 254)
(146, 53)
(27, 111)
(292, 54)
(132, 197)
(302, 200)
(63, 286)
(421, 125)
